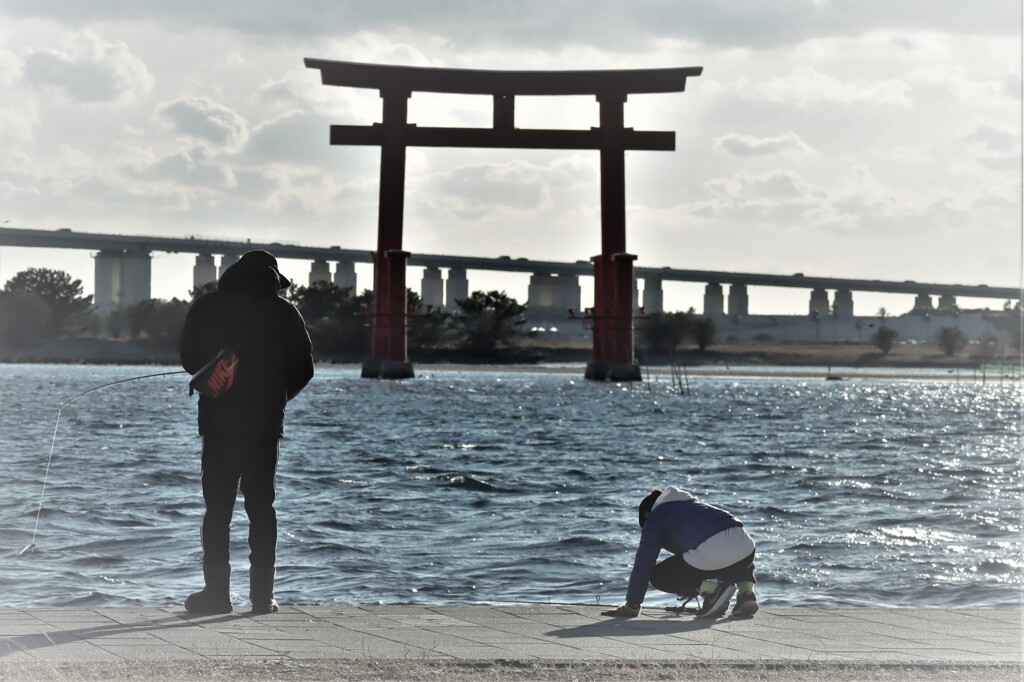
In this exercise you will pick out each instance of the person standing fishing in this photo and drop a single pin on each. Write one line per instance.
(242, 421)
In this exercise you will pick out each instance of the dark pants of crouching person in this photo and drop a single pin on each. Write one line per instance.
(675, 576)
(246, 464)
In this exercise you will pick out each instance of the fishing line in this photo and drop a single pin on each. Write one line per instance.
(32, 545)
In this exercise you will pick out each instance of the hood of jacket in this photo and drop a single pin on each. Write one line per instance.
(249, 276)
(673, 494)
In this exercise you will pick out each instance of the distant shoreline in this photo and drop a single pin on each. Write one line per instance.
(744, 358)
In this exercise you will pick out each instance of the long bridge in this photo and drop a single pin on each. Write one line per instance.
(123, 274)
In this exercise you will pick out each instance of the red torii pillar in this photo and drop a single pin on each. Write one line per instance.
(612, 316)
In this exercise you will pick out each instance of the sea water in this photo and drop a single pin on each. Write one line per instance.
(521, 486)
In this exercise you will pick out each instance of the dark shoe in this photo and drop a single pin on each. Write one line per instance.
(261, 589)
(715, 603)
(746, 605)
(215, 597)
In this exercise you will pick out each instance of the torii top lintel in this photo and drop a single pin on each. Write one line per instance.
(482, 82)
(397, 83)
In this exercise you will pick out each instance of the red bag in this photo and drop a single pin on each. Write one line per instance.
(216, 377)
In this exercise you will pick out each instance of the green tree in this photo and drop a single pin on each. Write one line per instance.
(338, 323)
(67, 311)
(950, 340)
(989, 347)
(705, 332)
(488, 321)
(320, 300)
(884, 339)
(155, 319)
(201, 289)
(427, 329)
(23, 319)
(663, 333)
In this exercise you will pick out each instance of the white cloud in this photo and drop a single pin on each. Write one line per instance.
(471, 191)
(787, 144)
(600, 23)
(10, 68)
(475, 191)
(992, 146)
(1012, 87)
(301, 138)
(204, 119)
(19, 119)
(993, 138)
(806, 86)
(193, 167)
(89, 70)
(903, 155)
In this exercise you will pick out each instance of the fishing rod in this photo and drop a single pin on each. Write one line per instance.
(32, 545)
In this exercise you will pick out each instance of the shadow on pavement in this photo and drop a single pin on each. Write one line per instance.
(653, 624)
(54, 636)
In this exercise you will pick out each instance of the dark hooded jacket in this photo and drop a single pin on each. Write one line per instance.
(269, 336)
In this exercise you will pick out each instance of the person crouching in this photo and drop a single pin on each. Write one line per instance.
(712, 556)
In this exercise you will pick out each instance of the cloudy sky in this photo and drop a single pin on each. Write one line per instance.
(854, 138)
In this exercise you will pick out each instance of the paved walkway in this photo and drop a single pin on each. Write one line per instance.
(529, 633)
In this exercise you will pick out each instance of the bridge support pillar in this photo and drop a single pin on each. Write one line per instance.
(204, 271)
(714, 300)
(107, 283)
(654, 296)
(947, 304)
(551, 296)
(543, 293)
(739, 304)
(345, 276)
(842, 303)
(432, 288)
(571, 295)
(456, 288)
(923, 304)
(319, 271)
(136, 277)
(226, 261)
(819, 303)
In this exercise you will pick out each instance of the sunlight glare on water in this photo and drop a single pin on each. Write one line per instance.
(522, 486)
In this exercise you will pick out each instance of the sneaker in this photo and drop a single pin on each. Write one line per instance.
(715, 603)
(746, 605)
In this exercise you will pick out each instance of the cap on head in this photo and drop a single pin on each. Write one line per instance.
(266, 259)
(647, 505)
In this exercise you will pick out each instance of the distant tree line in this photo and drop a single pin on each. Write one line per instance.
(484, 325)
(663, 334)
(39, 304)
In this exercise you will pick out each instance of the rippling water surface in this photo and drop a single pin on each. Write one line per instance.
(522, 486)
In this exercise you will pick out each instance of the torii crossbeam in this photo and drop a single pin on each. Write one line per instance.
(613, 356)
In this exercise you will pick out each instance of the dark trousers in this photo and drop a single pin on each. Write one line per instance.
(231, 464)
(675, 576)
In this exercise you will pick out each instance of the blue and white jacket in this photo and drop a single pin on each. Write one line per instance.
(677, 523)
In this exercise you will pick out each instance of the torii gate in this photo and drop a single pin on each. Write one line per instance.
(612, 315)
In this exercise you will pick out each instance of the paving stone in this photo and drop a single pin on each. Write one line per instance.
(514, 632)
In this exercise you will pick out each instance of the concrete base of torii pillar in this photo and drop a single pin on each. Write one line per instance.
(379, 368)
(602, 370)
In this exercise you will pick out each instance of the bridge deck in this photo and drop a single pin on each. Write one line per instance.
(68, 239)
